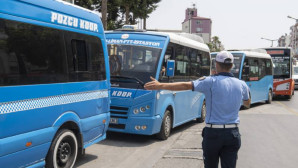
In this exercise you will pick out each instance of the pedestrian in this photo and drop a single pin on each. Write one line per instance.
(224, 95)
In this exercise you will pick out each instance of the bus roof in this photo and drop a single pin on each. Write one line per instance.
(278, 48)
(250, 54)
(183, 40)
(174, 38)
(41, 11)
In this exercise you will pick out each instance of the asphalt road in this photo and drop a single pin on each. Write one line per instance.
(270, 135)
(269, 140)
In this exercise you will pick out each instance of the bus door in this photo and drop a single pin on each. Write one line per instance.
(182, 70)
(263, 83)
(252, 78)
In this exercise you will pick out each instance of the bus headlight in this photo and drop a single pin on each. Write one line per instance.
(137, 127)
(142, 109)
(136, 111)
(147, 107)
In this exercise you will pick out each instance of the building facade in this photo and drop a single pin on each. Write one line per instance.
(195, 24)
(294, 39)
(284, 41)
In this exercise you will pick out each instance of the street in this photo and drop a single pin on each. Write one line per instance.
(269, 140)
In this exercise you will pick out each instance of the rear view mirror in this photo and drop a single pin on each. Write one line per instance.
(170, 68)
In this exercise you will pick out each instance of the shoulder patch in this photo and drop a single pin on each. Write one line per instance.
(202, 78)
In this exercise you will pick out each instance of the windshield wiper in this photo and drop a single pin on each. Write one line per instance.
(127, 79)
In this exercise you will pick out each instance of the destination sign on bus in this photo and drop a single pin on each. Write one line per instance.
(276, 52)
(280, 59)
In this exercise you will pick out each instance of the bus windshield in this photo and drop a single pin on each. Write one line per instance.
(131, 66)
(236, 66)
(282, 66)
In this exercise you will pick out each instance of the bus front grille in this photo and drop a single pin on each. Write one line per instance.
(118, 113)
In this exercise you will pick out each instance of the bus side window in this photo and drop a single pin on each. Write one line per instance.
(31, 54)
(205, 64)
(253, 69)
(268, 67)
(195, 64)
(79, 55)
(245, 71)
(169, 55)
(262, 68)
(85, 58)
(182, 64)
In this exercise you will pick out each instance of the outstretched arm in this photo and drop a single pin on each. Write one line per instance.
(177, 86)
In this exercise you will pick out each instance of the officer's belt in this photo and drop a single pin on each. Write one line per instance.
(221, 126)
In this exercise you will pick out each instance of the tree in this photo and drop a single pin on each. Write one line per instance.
(116, 13)
(89, 4)
(104, 6)
(215, 45)
(126, 7)
(143, 8)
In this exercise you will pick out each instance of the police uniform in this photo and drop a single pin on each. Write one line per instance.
(221, 138)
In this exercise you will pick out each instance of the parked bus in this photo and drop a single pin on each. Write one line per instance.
(54, 84)
(168, 57)
(283, 84)
(255, 68)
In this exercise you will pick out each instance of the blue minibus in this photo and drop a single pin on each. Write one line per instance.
(135, 55)
(54, 85)
(255, 67)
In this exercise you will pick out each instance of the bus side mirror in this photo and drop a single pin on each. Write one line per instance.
(170, 68)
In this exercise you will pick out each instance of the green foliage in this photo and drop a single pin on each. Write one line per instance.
(122, 12)
(215, 45)
(89, 4)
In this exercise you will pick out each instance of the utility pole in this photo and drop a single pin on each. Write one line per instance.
(104, 8)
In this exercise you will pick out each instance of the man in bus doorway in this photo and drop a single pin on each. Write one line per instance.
(224, 96)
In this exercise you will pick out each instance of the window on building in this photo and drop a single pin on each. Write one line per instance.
(199, 29)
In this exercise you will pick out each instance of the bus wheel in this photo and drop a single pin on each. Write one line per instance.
(269, 101)
(166, 125)
(63, 151)
(289, 96)
(203, 113)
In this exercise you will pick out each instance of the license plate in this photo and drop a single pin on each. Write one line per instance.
(114, 120)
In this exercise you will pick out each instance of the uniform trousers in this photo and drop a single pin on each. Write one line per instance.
(223, 143)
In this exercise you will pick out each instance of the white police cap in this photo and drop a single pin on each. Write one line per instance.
(224, 57)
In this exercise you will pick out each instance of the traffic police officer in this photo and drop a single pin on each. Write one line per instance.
(224, 96)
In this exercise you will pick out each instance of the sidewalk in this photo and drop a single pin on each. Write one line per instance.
(186, 152)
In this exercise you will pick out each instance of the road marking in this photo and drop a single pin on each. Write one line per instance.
(288, 108)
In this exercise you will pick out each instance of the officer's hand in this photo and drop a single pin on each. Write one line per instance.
(153, 85)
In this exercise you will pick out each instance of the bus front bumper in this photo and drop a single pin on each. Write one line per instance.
(137, 125)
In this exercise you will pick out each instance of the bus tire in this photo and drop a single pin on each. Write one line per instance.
(166, 126)
(289, 97)
(269, 101)
(63, 151)
(203, 113)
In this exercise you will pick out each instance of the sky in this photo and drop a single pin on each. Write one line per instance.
(239, 24)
